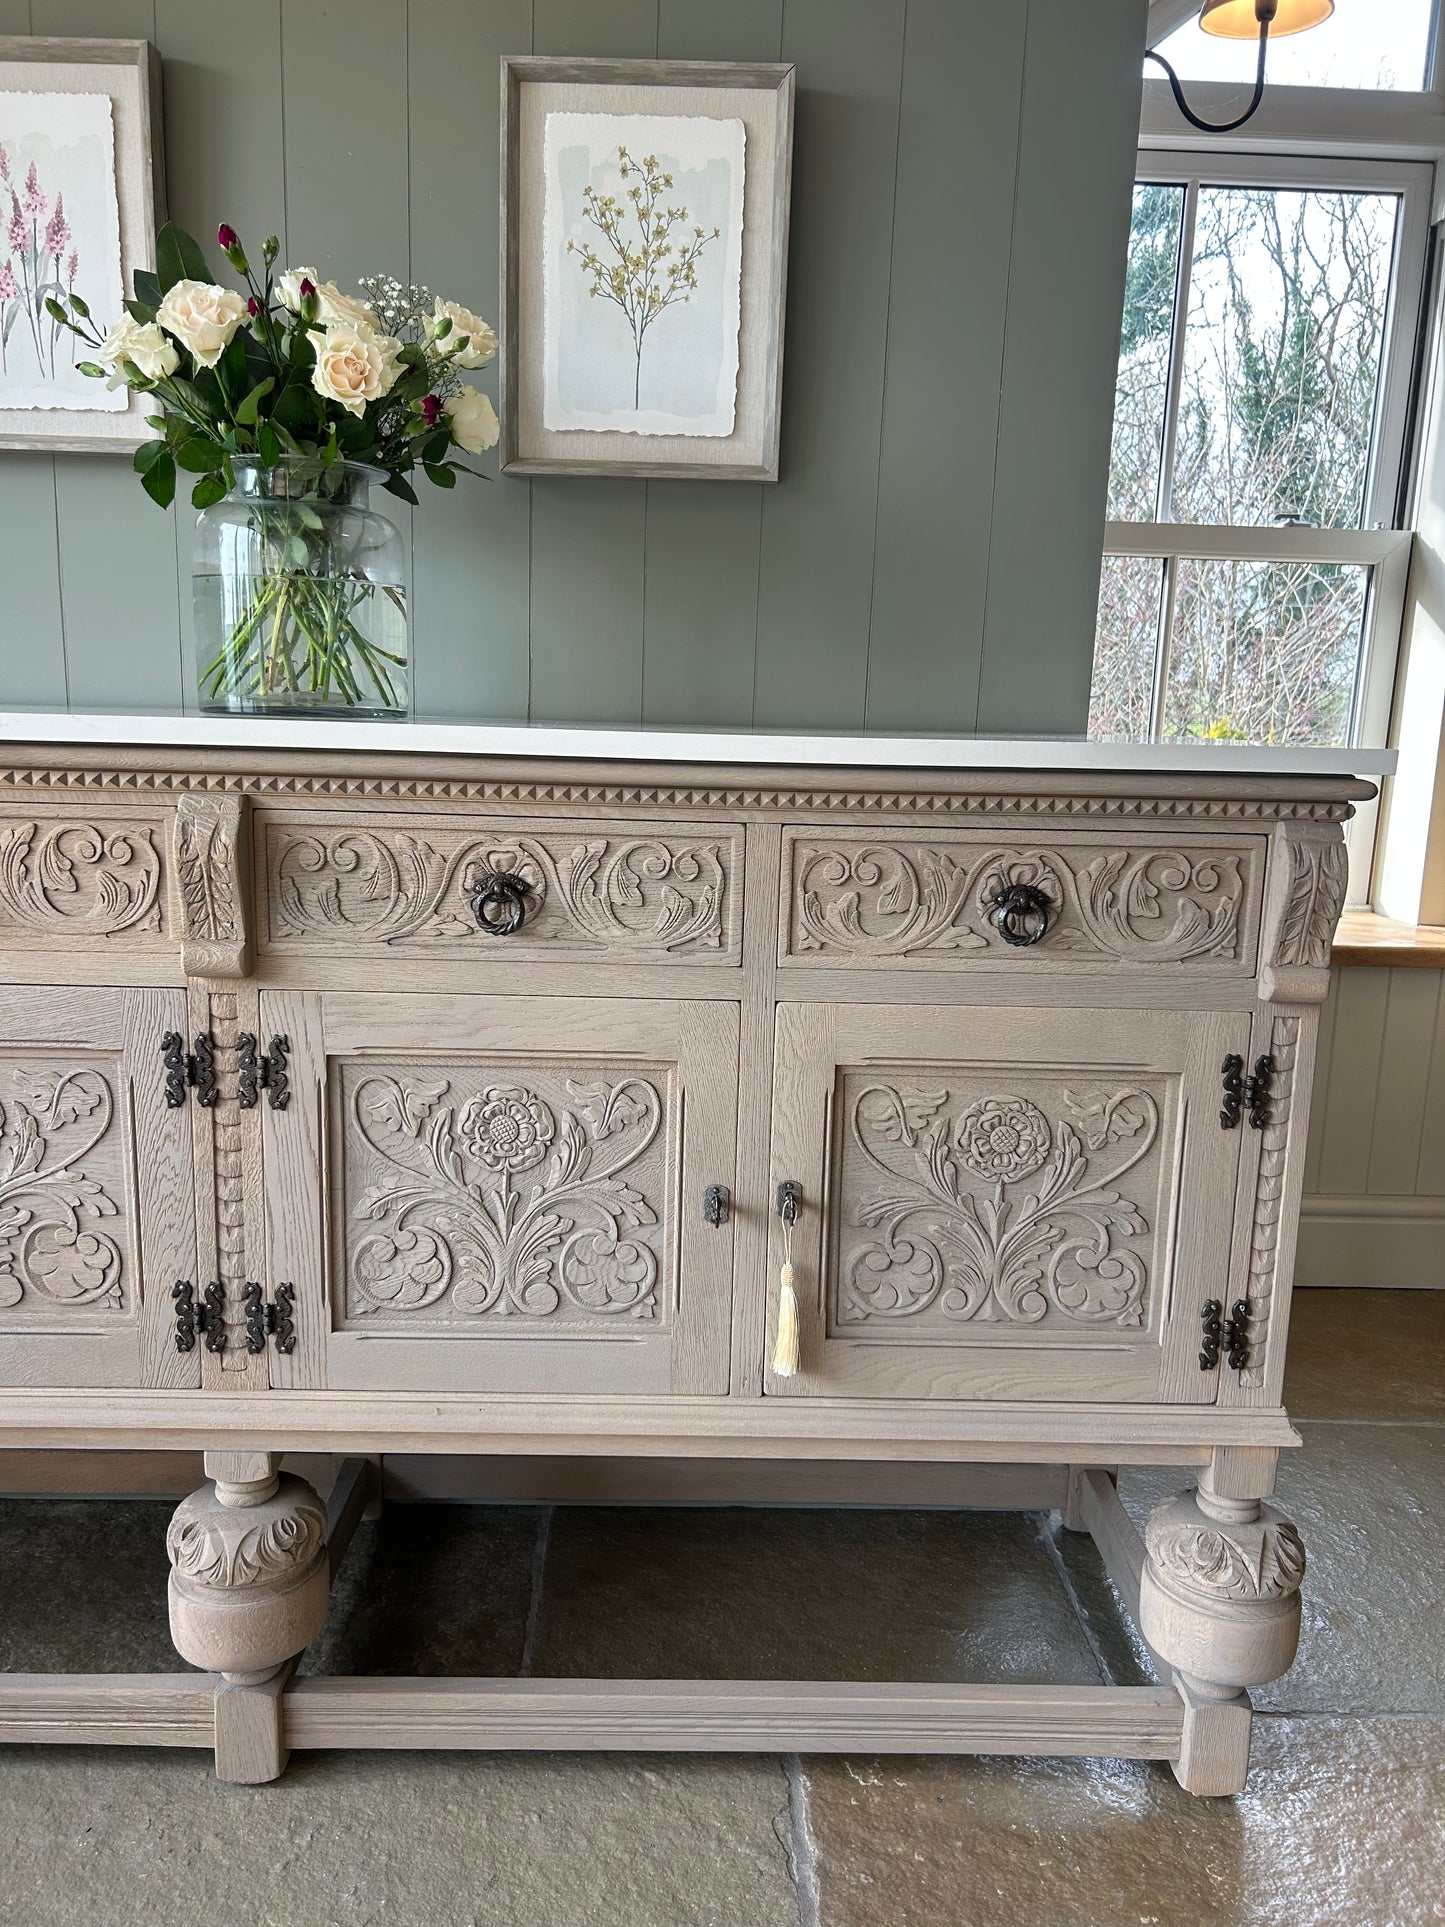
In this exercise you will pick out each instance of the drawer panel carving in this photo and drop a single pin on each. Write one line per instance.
(64, 1235)
(81, 880)
(588, 891)
(511, 1194)
(930, 903)
(1039, 1205)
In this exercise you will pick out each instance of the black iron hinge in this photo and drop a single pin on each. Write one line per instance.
(1243, 1093)
(209, 1317)
(263, 1320)
(262, 1072)
(1229, 1335)
(196, 1069)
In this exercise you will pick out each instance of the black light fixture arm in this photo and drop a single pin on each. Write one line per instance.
(1264, 11)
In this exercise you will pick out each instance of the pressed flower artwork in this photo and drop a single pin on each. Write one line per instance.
(59, 237)
(642, 253)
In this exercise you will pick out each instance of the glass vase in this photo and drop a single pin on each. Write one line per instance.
(300, 595)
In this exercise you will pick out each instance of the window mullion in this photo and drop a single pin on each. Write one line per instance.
(1174, 390)
(1162, 650)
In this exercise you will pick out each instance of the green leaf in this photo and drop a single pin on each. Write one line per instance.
(399, 485)
(208, 491)
(159, 481)
(232, 372)
(248, 410)
(146, 456)
(298, 406)
(147, 290)
(178, 258)
(200, 455)
(435, 447)
(139, 311)
(55, 311)
(79, 306)
(267, 444)
(440, 474)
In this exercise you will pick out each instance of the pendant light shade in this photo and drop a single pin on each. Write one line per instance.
(1239, 19)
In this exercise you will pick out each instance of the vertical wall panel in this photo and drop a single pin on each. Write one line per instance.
(1077, 140)
(945, 360)
(1430, 1171)
(470, 545)
(701, 618)
(1349, 1101)
(32, 639)
(589, 537)
(816, 580)
(1402, 1080)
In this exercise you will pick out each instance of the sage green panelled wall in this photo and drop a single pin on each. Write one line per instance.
(930, 558)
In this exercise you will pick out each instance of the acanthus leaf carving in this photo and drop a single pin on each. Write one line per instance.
(633, 894)
(1263, 1558)
(990, 1250)
(229, 1548)
(79, 877)
(1314, 897)
(497, 1201)
(53, 1250)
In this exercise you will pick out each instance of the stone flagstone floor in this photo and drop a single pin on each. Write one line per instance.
(1343, 1821)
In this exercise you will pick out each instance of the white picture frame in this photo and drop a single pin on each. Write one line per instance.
(127, 75)
(597, 379)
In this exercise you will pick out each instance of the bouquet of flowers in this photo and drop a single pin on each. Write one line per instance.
(283, 397)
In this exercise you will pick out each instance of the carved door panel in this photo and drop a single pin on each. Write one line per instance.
(1014, 1204)
(502, 1194)
(97, 1190)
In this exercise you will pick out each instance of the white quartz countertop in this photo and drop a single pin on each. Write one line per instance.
(669, 745)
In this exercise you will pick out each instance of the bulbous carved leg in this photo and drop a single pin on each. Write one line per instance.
(249, 1580)
(1219, 1601)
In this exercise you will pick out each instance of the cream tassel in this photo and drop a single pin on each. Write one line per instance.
(785, 1351)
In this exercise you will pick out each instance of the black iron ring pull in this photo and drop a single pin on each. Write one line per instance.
(499, 902)
(1021, 914)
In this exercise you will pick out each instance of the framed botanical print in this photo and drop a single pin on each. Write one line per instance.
(80, 204)
(644, 266)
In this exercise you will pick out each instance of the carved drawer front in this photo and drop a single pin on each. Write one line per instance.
(499, 889)
(97, 1212)
(934, 902)
(515, 1191)
(82, 880)
(1005, 1203)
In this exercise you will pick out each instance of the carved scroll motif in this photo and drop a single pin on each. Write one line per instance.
(55, 1252)
(992, 1210)
(388, 886)
(501, 1199)
(79, 879)
(875, 901)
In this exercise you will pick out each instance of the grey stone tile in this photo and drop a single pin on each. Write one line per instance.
(101, 1837)
(431, 1589)
(1343, 1821)
(733, 1593)
(83, 1586)
(1374, 1355)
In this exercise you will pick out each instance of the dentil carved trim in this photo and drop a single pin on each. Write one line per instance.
(1269, 1195)
(635, 894)
(1261, 1559)
(492, 1200)
(208, 846)
(992, 1250)
(872, 902)
(53, 1252)
(80, 879)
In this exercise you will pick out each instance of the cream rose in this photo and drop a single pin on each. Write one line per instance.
(332, 306)
(355, 365)
(481, 343)
(142, 345)
(473, 420)
(202, 317)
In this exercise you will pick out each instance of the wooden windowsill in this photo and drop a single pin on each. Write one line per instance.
(1365, 938)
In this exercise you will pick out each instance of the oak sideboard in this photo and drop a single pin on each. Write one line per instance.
(372, 1099)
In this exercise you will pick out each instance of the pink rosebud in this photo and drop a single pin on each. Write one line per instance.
(9, 288)
(431, 409)
(226, 236)
(34, 201)
(308, 288)
(253, 306)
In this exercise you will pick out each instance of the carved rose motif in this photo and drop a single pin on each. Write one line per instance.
(507, 1128)
(1004, 1138)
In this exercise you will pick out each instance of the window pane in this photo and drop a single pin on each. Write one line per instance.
(1282, 355)
(1143, 382)
(1126, 640)
(1380, 43)
(1265, 651)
